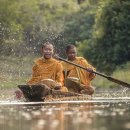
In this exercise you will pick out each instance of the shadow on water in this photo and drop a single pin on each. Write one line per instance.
(102, 113)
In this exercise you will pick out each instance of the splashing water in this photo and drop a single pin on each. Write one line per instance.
(106, 95)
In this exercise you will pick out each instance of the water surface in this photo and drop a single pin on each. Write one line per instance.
(99, 113)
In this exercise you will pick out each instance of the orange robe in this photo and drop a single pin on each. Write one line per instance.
(46, 69)
(73, 71)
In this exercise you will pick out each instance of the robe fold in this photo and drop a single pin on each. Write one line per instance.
(46, 69)
(72, 71)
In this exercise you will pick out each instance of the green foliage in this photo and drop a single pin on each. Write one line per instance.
(110, 45)
(48, 22)
(100, 28)
(78, 26)
(29, 23)
(9, 28)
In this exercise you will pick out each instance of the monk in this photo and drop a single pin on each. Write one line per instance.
(47, 70)
(77, 79)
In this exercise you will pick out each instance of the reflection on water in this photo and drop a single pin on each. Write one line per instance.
(66, 116)
(106, 111)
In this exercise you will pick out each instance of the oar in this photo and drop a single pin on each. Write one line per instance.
(95, 72)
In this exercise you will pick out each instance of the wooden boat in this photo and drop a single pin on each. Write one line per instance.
(34, 92)
(41, 91)
(38, 93)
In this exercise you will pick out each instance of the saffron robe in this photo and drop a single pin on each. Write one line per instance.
(46, 69)
(72, 71)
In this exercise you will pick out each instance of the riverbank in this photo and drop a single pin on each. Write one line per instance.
(17, 70)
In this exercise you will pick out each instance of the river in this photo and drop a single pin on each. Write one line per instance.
(99, 113)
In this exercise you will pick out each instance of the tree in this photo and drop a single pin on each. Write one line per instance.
(78, 26)
(110, 45)
(9, 27)
(26, 24)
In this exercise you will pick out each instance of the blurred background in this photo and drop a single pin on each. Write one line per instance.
(99, 28)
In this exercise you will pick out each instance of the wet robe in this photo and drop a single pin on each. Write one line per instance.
(47, 69)
(73, 71)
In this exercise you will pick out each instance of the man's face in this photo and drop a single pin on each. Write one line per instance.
(47, 51)
(71, 54)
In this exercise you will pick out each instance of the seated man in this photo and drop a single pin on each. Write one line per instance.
(77, 79)
(47, 70)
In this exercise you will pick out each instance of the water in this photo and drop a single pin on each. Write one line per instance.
(66, 116)
(100, 113)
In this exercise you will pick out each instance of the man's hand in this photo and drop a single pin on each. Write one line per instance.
(90, 70)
